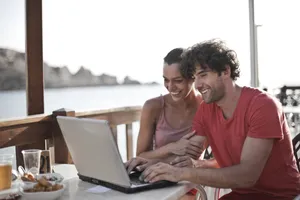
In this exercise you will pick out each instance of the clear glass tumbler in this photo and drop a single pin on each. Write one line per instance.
(32, 159)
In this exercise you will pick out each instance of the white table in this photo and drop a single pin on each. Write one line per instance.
(77, 189)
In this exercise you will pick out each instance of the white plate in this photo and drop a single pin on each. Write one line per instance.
(42, 195)
(13, 190)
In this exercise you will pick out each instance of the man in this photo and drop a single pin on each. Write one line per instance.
(245, 127)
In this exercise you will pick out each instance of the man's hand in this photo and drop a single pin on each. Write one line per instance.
(139, 163)
(187, 147)
(183, 161)
(162, 171)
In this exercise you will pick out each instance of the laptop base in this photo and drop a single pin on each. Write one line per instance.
(159, 184)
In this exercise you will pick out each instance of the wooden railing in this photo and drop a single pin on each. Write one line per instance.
(42, 131)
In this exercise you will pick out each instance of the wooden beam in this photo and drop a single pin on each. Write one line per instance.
(4, 123)
(88, 114)
(34, 57)
(116, 117)
(34, 69)
(129, 141)
(25, 134)
(26, 130)
(114, 130)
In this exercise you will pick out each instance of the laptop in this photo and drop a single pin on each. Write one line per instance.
(97, 158)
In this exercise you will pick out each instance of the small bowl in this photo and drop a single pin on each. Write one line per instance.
(52, 177)
(41, 195)
(28, 184)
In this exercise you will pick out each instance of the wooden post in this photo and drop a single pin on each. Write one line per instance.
(34, 57)
(61, 151)
(34, 69)
(114, 130)
(129, 141)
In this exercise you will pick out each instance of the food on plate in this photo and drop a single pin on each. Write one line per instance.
(44, 186)
(28, 177)
(43, 182)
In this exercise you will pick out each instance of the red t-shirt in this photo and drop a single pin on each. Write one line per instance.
(257, 115)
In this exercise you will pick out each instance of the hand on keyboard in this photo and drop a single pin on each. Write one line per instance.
(139, 163)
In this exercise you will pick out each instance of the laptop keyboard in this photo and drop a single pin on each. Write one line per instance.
(134, 178)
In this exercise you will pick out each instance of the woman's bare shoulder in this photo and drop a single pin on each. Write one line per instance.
(153, 103)
(152, 108)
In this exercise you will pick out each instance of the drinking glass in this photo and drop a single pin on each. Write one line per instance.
(32, 159)
(5, 171)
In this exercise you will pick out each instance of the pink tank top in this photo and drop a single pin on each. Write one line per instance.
(164, 133)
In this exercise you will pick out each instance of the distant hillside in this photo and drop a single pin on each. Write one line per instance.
(13, 74)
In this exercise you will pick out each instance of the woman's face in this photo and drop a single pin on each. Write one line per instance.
(178, 86)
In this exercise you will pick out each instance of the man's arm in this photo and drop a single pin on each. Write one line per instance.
(143, 163)
(254, 156)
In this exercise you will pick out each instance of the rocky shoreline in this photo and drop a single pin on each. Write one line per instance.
(13, 75)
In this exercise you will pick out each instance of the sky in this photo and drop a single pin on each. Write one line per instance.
(132, 37)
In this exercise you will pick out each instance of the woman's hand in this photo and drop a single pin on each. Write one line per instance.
(139, 163)
(186, 147)
(186, 161)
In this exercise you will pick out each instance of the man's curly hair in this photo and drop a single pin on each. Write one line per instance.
(212, 54)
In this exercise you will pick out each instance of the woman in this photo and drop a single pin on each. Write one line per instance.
(166, 120)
